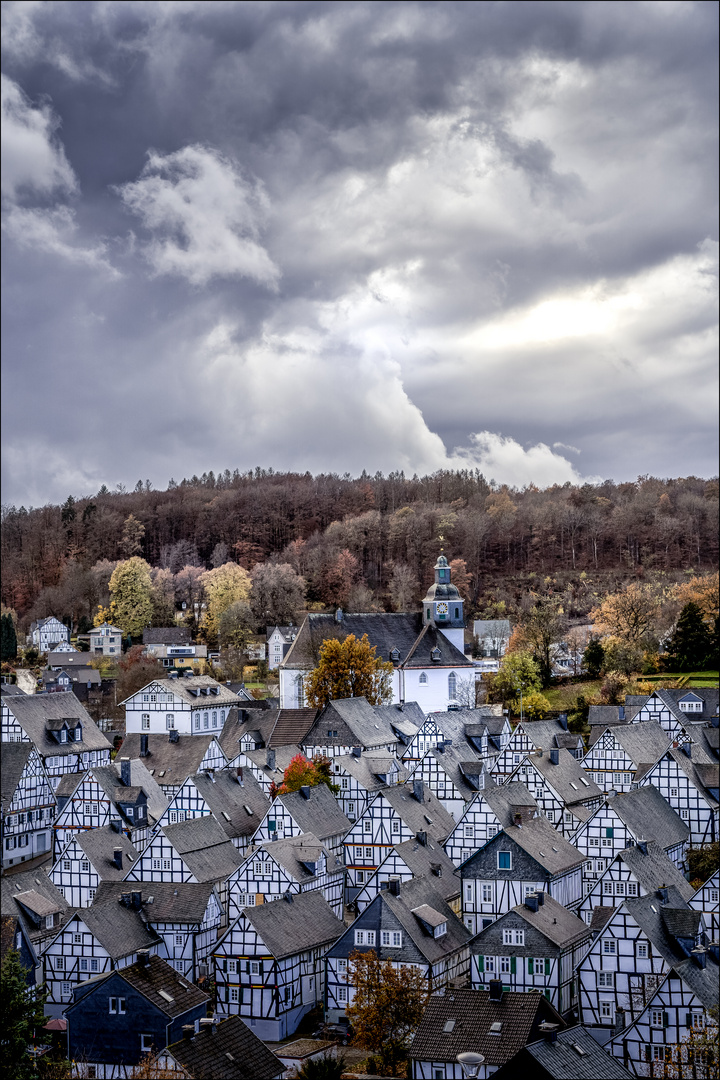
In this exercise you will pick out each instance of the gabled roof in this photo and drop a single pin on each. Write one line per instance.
(14, 756)
(509, 799)
(231, 1052)
(319, 813)
(643, 743)
(420, 904)
(703, 982)
(283, 757)
(120, 930)
(140, 776)
(424, 860)
(709, 695)
(30, 881)
(156, 976)
(406, 717)
(429, 816)
(600, 917)
(204, 847)
(370, 766)
(560, 926)
(539, 839)
(99, 846)
(230, 802)
(291, 726)
(649, 816)
(34, 711)
(704, 777)
(191, 691)
(661, 920)
(609, 715)
(654, 870)
(472, 1014)
(574, 1055)
(168, 901)
(368, 728)
(288, 927)
(295, 853)
(167, 635)
(177, 760)
(458, 763)
(258, 722)
(543, 733)
(568, 778)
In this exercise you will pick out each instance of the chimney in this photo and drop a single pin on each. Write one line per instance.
(714, 721)
(621, 712)
(441, 747)
(496, 990)
(143, 745)
(540, 897)
(116, 825)
(699, 955)
(117, 858)
(550, 1031)
(357, 751)
(188, 1031)
(663, 895)
(687, 749)
(305, 791)
(288, 897)
(242, 716)
(517, 820)
(642, 844)
(562, 720)
(555, 757)
(436, 869)
(339, 615)
(126, 899)
(270, 758)
(393, 886)
(173, 735)
(125, 771)
(136, 900)
(531, 902)
(143, 957)
(421, 838)
(240, 776)
(419, 790)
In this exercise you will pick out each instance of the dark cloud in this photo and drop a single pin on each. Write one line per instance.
(338, 235)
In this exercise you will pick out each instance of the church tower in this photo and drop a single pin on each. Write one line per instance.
(443, 606)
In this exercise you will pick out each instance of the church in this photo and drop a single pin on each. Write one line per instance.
(425, 648)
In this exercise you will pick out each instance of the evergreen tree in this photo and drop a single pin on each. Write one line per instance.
(22, 1011)
(593, 657)
(691, 642)
(8, 638)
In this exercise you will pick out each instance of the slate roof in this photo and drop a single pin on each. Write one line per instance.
(371, 764)
(386, 631)
(473, 1014)
(428, 816)
(283, 757)
(600, 916)
(304, 923)
(422, 858)
(33, 711)
(406, 717)
(190, 691)
(319, 814)
(99, 845)
(543, 733)
(157, 975)
(76, 673)
(204, 847)
(509, 799)
(368, 728)
(232, 1052)
(544, 844)
(172, 902)
(653, 916)
(291, 726)
(140, 777)
(119, 930)
(703, 982)
(456, 762)
(11, 690)
(702, 776)
(561, 1061)
(14, 756)
(418, 900)
(609, 715)
(167, 635)
(64, 659)
(229, 801)
(295, 851)
(649, 816)
(177, 760)
(672, 698)
(654, 870)
(559, 925)
(34, 882)
(235, 728)
(568, 777)
(643, 743)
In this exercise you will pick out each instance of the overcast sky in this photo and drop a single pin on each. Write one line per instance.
(336, 236)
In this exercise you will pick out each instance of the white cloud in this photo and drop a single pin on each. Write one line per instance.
(54, 231)
(32, 158)
(205, 217)
(506, 461)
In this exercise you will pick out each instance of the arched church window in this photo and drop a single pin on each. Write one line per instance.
(452, 685)
(423, 678)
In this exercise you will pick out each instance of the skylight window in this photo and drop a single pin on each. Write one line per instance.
(449, 1025)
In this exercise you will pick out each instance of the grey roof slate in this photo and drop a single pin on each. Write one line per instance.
(120, 930)
(11, 690)
(99, 845)
(140, 776)
(368, 727)
(34, 711)
(370, 766)
(654, 870)
(319, 814)
(167, 635)
(232, 1052)
(649, 816)
(420, 901)
(428, 816)
(406, 717)
(543, 733)
(294, 852)
(644, 743)
(559, 925)
(37, 881)
(561, 1061)
(652, 915)
(572, 783)
(204, 847)
(162, 902)
(258, 722)
(509, 799)
(424, 859)
(190, 691)
(283, 757)
(13, 759)
(457, 762)
(286, 928)
(230, 802)
(177, 760)
(544, 844)
(609, 715)
(157, 975)
(703, 982)
(600, 916)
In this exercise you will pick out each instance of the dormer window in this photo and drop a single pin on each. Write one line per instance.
(78, 734)
(440, 930)
(435, 655)
(63, 735)
(395, 656)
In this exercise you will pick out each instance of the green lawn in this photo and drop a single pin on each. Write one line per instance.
(565, 696)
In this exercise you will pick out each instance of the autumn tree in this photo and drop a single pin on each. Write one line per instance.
(460, 577)
(302, 772)
(223, 586)
(536, 706)
(703, 590)
(690, 644)
(349, 668)
(132, 536)
(278, 593)
(22, 1012)
(163, 597)
(131, 604)
(235, 626)
(387, 1006)
(630, 614)
(136, 670)
(542, 627)
(518, 672)
(339, 578)
(404, 588)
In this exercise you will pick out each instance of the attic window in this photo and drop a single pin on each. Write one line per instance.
(584, 781)
(496, 1028)
(578, 1049)
(247, 810)
(428, 819)
(449, 1025)
(573, 786)
(164, 994)
(226, 816)
(162, 772)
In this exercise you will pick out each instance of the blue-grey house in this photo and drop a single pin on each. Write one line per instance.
(117, 1018)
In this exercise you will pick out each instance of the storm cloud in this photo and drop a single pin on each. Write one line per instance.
(347, 236)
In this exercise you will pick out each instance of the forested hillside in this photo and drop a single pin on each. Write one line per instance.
(365, 542)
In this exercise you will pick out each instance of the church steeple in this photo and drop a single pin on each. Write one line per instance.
(443, 605)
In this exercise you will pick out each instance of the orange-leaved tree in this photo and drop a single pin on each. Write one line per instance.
(347, 669)
(387, 1006)
(304, 773)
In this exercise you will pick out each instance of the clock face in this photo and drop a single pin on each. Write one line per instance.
(441, 608)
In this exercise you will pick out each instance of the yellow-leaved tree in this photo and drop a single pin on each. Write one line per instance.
(349, 668)
(225, 585)
(131, 603)
(388, 1005)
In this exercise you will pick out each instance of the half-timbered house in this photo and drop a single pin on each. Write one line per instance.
(246, 729)
(536, 946)
(360, 775)
(706, 900)
(237, 802)
(98, 797)
(564, 792)
(691, 789)
(485, 731)
(310, 810)
(191, 706)
(66, 737)
(489, 812)
(345, 723)
(171, 758)
(270, 964)
(184, 916)
(626, 818)
(228, 1049)
(455, 774)
(32, 900)
(640, 869)
(617, 754)
(47, 634)
(418, 858)
(395, 814)
(266, 765)
(115, 1020)
(409, 924)
(196, 850)
(99, 939)
(495, 1025)
(528, 857)
(530, 735)
(27, 804)
(296, 864)
(89, 857)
